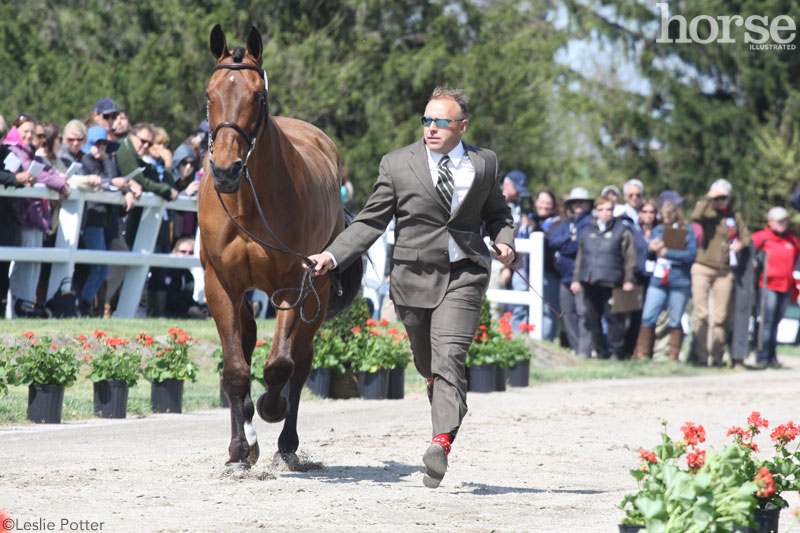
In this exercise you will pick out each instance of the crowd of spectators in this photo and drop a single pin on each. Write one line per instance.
(629, 272)
(103, 151)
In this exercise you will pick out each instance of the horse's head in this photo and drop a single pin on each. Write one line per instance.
(237, 107)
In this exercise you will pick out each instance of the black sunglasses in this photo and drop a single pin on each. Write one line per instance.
(440, 122)
(143, 141)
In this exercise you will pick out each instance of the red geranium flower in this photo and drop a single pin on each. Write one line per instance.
(99, 334)
(693, 434)
(355, 329)
(81, 337)
(371, 322)
(785, 433)
(392, 331)
(53, 347)
(28, 334)
(647, 455)
(384, 322)
(764, 480)
(755, 420)
(696, 459)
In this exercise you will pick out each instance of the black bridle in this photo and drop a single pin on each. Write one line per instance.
(307, 286)
(262, 112)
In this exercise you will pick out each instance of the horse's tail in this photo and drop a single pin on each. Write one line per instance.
(345, 285)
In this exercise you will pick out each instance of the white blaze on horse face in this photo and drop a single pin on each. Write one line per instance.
(250, 433)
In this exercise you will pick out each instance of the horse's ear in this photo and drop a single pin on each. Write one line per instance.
(254, 45)
(218, 45)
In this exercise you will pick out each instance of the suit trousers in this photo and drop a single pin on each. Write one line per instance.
(440, 338)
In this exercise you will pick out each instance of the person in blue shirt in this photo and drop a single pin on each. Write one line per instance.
(563, 240)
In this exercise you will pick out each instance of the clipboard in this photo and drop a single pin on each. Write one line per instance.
(627, 301)
(675, 238)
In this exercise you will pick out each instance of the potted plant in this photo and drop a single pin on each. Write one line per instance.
(47, 369)
(400, 357)
(8, 367)
(484, 353)
(519, 358)
(167, 368)
(370, 354)
(344, 383)
(330, 352)
(731, 490)
(114, 370)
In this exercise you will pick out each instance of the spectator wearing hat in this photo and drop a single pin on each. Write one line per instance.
(606, 260)
(613, 192)
(777, 283)
(105, 113)
(34, 214)
(563, 241)
(670, 283)
(187, 181)
(724, 236)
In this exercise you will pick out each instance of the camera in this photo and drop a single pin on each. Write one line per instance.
(526, 203)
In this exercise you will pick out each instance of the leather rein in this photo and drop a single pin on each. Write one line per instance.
(307, 284)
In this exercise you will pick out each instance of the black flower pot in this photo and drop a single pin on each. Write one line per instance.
(519, 375)
(223, 400)
(766, 522)
(373, 385)
(110, 398)
(482, 377)
(167, 396)
(319, 382)
(630, 528)
(500, 379)
(397, 384)
(45, 403)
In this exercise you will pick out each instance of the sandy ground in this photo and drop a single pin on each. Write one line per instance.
(550, 458)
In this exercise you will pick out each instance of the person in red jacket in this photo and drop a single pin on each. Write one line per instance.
(782, 250)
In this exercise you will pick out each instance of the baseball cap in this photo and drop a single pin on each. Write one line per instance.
(98, 133)
(518, 178)
(670, 196)
(777, 213)
(106, 105)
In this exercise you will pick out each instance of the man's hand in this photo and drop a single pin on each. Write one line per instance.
(135, 187)
(627, 286)
(192, 188)
(128, 201)
(505, 255)
(575, 287)
(25, 179)
(323, 263)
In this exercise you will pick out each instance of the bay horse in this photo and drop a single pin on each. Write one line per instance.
(254, 237)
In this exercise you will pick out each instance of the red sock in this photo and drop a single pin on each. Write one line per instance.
(445, 440)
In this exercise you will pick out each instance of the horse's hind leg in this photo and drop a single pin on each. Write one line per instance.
(225, 309)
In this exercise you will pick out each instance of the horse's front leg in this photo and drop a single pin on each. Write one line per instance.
(273, 405)
(236, 349)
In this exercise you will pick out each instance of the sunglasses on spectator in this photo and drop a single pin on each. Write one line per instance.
(720, 198)
(637, 194)
(145, 142)
(440, 122)
(110, 116)
(186, 162)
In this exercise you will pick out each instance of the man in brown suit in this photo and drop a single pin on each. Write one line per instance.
(440, 190)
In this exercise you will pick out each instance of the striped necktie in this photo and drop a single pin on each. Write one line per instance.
(444, 186)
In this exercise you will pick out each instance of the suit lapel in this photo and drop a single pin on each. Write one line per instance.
(419, 167)
(479, 164)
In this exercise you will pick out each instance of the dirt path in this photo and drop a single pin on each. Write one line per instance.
(551, 458)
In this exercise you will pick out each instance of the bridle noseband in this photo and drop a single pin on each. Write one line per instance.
(262, 113)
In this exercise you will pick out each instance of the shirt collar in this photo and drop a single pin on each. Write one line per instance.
(456, 155)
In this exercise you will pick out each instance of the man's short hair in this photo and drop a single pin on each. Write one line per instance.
(141, 126)
(461, 98)
(634, 182)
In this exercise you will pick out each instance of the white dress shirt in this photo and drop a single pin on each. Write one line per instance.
(463, 175)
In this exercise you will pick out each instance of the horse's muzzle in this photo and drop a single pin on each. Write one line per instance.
(227, 180)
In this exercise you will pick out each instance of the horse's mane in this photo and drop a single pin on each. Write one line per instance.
(238, 54)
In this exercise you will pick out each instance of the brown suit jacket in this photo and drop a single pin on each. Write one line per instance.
(405, 190)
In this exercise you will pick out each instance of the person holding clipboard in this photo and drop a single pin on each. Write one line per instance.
(673, 249)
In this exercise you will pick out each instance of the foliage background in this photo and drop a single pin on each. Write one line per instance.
(362, 70)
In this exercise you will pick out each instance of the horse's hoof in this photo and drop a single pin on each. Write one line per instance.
(264, 416)
(234, 468)
(286, 461)
(252, 457)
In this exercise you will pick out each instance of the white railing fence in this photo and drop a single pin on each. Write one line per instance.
(66, 254)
